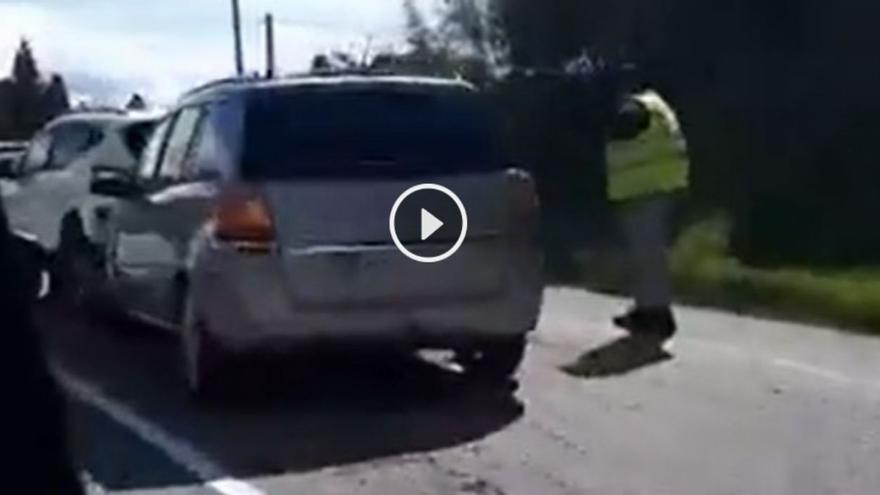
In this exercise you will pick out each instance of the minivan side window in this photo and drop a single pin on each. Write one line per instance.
(152, 155)
(215, 144)
(179, 143)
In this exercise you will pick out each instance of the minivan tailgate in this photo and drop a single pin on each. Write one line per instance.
(336, 246)
(381, 274)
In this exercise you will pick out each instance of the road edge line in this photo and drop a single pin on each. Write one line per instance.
(178, 451)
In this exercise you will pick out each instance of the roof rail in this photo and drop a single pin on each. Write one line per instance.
(218, 82)
(99, 110)
(350, 71)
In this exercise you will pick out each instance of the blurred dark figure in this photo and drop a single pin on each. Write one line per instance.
(647, 170)
(32, 428)
(554, 123)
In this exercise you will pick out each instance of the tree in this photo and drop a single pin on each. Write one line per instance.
(773, 98)
(27, 102)
(55, 98)
(24, 66)
(419, 36)
(546, 127)
(25, 105)
(7, 96)
(136, 102)
(336, 62)
(459, 45)
(320, 63)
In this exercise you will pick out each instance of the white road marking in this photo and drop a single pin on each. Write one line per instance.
(179, 451)
(780, 362)
(737, 352)
(729, 350)
(833, 376)
(231, 486)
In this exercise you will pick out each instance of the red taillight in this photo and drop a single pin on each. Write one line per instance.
(243, 218)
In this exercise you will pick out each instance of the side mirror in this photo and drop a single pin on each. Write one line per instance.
(114, 182)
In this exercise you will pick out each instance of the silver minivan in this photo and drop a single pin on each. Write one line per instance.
(258, 220)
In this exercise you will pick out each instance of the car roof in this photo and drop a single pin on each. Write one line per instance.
(104, 119)
(221, 88)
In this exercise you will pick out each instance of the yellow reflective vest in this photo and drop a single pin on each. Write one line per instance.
(655, 162)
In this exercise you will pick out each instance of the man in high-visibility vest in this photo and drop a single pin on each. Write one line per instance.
(647, 169)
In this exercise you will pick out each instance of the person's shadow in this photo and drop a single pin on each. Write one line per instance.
(618, 357)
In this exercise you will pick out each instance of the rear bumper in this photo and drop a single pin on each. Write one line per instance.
(442, 327)
(248, 307)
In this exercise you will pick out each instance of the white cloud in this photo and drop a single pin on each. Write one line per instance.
(161, 47)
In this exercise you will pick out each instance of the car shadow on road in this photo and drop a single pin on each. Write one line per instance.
(618, 357)
(314, 412)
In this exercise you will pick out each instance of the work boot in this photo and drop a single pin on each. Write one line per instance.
(652, 322)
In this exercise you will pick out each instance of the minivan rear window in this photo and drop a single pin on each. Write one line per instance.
(364, 132)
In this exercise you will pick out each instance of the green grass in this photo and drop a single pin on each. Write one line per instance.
(704, 273)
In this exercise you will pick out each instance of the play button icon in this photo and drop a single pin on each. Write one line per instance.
(428, 223)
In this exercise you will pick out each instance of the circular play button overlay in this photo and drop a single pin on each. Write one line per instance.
(428, 223)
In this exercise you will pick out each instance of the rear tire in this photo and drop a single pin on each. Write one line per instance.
(201, 356)
(494, 362)
(78, 276)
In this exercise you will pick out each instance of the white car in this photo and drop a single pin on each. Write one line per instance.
(262, 218)
(52, 179)
(49, 196)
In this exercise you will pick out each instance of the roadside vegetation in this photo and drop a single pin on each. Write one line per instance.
(706, 273)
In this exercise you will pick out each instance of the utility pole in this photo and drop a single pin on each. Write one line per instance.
(367, 49)
(270, 46)
(236, 30)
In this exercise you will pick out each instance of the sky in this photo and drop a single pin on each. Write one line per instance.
(107, 49)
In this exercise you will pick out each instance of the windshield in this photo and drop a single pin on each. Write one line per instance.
(354, 132)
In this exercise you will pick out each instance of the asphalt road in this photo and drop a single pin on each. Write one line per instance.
(736, 406)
